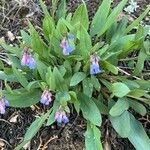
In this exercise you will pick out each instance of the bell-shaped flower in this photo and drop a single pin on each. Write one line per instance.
(3, 104)
(46, 97)
(61, 117)
(94, 67)
(27, 59)
(67, 44)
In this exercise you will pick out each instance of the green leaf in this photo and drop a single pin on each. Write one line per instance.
(140, 63)
(77, 78)
(89, 109)
(42, 68)
(138, 107)
(51, 118)
(26, 38)
(130, 83)
(92, 138)
(112, 17)
(35, 126)
(137, 93)
(50, 79)
(119, 107)
(87, 87)
(22, 98)
(37, 43)
(10, 77)
(61, 27)
(144, 84)
(102, 50)
(59, 80)
(44, 8)
(20, 77)
(122, 124)
(138, 136)
(95, 83)
(120, 89)
(15, 50)
(100, 17)
(33, 129)
(85, 42)
(63, 97)
(81, 16)
(75, 101)
(110, 67)
(33, 85)
(61, 12)
(48, 27)
(102, 107)
(138, 20)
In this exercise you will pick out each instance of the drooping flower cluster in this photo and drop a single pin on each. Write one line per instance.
(27, 59)
(3, 104)
(61, 117)
(94, 67)
(66, 44)
(46, 97)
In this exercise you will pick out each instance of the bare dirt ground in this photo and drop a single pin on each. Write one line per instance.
(13, 125)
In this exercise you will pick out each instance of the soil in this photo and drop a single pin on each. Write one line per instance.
(14, 15)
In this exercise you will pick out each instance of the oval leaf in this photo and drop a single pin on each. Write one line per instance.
(121, 124)
(77, 78)
(120, 89)
(90, 110)
(120, 106)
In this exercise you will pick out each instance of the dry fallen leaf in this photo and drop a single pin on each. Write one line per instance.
(2, 144)
(10, 36)
(13, 119)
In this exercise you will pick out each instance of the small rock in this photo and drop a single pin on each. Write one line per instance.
(10, 36)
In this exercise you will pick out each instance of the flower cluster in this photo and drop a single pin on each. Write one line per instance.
(3, 104)
(61, 117)
(27, 59)
(66, 44)
(94, 68)
(46, 97)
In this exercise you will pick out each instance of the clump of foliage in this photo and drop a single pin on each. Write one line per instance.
(75, 63)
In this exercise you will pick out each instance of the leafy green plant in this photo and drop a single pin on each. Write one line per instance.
(75, 62)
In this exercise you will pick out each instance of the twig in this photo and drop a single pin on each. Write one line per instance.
(5, 121)
(40, 145)
(6, 142)
(122, 71)
(52, 138)
(128, 59)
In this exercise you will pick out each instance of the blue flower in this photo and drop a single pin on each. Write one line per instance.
(46, 97)
(71, 36)
(28, 60)
(66, 44)
(32, 63)
(61, 117)
(94, 67)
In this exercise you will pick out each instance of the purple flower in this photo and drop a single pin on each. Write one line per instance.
(94, 67)
(46, 97)
(3, 104)
(65, 45)
(28, 60)
(61, 117)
